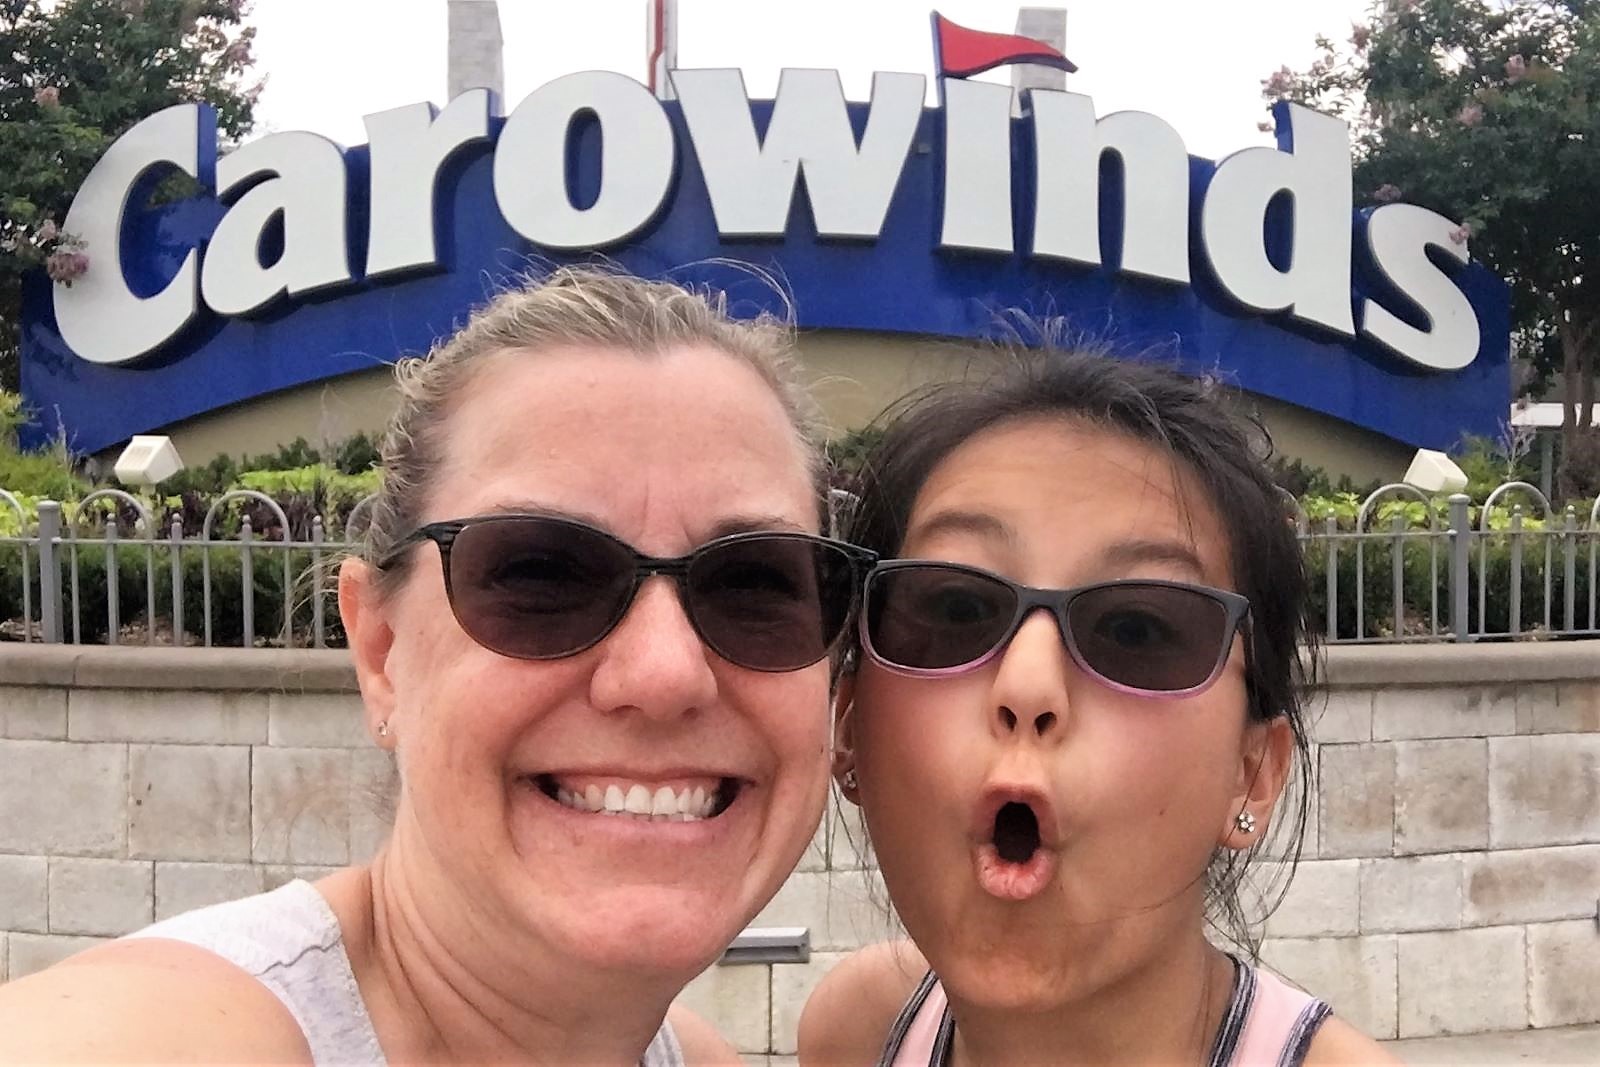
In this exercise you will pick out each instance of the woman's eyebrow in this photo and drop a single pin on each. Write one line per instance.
(529, 507)
(755, 524)
(1130, 553)
(956, 521)
(734, 524)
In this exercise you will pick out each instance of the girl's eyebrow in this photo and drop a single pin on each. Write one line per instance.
(957, 521)
(1129, 553)
(1117, 556)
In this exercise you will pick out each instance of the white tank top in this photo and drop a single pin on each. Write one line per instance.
(290, 941)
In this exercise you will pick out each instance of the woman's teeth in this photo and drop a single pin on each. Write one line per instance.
(641, 802)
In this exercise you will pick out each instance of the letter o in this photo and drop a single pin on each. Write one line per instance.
(637, 160)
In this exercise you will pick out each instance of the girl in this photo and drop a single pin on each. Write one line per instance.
(1072, 713)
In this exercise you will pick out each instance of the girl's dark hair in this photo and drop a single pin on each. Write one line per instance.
(1221, 450)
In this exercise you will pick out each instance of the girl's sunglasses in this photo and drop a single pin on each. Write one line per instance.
(1147, 637)
(538, 587)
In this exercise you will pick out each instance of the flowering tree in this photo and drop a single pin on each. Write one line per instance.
(1489, 112)
(75, 74)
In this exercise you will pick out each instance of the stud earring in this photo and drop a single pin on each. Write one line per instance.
(1246, 822)
(383, 728)
(849, 781)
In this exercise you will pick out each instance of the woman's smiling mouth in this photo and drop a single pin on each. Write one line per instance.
(684, 799)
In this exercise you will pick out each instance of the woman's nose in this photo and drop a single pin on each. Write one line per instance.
(654, 661)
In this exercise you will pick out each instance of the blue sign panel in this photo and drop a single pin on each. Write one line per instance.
(905, 280)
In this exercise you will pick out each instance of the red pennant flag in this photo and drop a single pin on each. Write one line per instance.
(959, 52)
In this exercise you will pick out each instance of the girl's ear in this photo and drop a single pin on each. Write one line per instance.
(370, 637)
(1265, 755)
(844, 747)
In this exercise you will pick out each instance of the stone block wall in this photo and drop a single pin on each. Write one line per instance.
(1449, 880)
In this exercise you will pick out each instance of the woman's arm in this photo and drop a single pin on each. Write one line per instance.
(146, 1002)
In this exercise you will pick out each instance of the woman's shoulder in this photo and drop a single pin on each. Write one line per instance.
(1338, 1044)
(850, 1011)
(146, 1000)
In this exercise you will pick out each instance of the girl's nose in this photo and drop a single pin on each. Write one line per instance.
(1030, 690)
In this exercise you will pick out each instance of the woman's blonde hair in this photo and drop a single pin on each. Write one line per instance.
(585, 305)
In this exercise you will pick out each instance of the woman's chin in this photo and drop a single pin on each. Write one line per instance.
(645, 931)
(642, 891)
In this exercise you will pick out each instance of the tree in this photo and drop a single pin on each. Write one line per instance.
(1489, 113)
(74, 75)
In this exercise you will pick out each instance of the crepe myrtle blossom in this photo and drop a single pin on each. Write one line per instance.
(65, 266)
(1461, 233)
(238, 53)
(1280, 82)
(47, 96)
(1386, 193)
(1470, 115)
(1360, 36)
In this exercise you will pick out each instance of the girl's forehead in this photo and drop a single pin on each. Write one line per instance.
(1080, 488)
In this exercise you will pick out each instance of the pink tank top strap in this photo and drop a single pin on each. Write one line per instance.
(1268, 1024)
(1279, 1023)
(920, 1036)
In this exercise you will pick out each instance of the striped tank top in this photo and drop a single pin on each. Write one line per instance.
(1268, 1024)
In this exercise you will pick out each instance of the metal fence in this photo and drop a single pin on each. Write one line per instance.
(105, 571)
(1400, 566)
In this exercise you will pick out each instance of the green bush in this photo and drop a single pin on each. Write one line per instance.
(356, 455)
(39, 474)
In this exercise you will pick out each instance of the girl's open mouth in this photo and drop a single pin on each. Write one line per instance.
(1012, 861)
(1016, 833)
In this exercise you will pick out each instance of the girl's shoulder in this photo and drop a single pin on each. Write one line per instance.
(1338, 1044)
(146, 1001)
(701, 1043)
(849, 1013)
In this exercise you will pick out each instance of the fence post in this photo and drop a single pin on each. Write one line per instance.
(50, 571)
(1460, 554)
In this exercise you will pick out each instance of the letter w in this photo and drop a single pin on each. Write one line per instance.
(751, 182)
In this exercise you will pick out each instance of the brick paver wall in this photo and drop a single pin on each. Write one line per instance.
(1449, 882)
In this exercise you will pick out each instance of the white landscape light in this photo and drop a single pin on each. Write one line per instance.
(148, 460)
(1435, 472)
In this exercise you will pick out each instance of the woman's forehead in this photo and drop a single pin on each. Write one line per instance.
(624, 435)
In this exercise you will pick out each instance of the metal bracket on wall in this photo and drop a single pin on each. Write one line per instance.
(769, 944)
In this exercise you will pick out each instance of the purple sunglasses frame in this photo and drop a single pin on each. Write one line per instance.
(1059, 602)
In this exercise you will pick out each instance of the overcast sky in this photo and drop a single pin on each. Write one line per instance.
(1197, 65)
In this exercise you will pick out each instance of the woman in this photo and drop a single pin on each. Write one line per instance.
(591, 624)
(1074, 711)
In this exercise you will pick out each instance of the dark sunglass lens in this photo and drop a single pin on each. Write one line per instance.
(537, 588)
(1152, 637)
(934, 617)
(771, 603)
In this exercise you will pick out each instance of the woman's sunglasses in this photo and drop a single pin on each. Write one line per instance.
(1147, 637)
(538, 587)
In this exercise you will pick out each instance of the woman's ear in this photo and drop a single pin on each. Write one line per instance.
(370, 636)
(1265, 756)
(844, 747)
